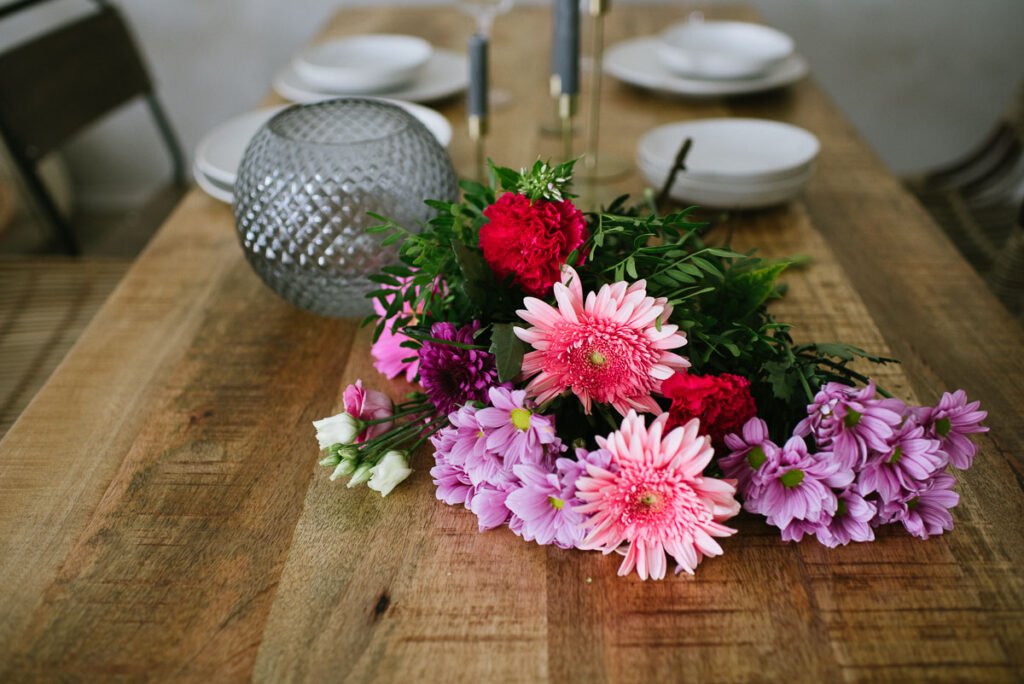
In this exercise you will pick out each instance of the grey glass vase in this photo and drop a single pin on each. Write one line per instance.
(306, 183)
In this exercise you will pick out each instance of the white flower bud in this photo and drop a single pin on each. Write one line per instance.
(361, 475)
(392, 469)
(339, 429)
(344, 468)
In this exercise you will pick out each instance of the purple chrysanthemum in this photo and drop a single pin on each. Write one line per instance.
(452, 375)
(749, 451)
(798, 485)
(545, 510)
(851, 422)
(851, 522)
(926, 512)
(950, 422)
(514, 429)
(488, 504)
(910, 459)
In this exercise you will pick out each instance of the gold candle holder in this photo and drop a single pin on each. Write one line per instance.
(477, 133)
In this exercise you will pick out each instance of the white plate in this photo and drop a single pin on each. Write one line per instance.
(733, 149)
(724, 195)
(221, 150)
(723, 49)
(211, 187)
(363, 64)
(445, 74)
(636, 62)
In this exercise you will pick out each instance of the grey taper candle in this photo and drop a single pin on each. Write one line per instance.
(567, 45)
(478, 75)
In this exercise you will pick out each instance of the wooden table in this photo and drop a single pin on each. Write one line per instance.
(162, 515)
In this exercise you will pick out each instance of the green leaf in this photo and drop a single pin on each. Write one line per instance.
(477, 274)
(508, 351)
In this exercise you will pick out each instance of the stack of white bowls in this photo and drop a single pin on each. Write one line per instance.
(733, 163)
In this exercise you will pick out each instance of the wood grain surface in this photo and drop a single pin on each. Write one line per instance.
(162, 516)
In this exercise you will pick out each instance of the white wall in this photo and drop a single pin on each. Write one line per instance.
(921, 79)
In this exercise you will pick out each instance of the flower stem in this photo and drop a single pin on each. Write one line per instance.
(419, 408)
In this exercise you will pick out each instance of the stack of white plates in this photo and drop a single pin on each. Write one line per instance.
(219, 154)
(401, 67)
(733, 163)
(708, 59)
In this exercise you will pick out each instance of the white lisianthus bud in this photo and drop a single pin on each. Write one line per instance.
(361, 475)
(344, 468)
(330, 460)
(392, 469)
(339, 429)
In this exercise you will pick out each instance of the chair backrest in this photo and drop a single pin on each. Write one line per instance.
(55, 85)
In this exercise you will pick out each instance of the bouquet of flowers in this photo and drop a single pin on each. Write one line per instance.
(612, 381)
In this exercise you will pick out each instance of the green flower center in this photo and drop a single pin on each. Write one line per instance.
(652, 500)
(840, 509)
(851, 418)
(556, 503)
(756, 457)
(597, 358)
(521, 418)
(792, 478)
(897, 454)
(943, 426)
(912, 504)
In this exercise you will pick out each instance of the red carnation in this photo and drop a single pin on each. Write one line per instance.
(722, 402)
(530, 240)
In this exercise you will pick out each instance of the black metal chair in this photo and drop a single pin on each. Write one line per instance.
(55, 85)
(977, 202)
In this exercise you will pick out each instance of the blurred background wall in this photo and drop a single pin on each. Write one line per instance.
(923, 80)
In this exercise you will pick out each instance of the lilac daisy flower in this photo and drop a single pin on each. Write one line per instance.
(926, 512)
(911, 458)
(852, 521)
(748, 453)
(850, 421)
(571, 470)
(451, 375)
(798, 485)
(819, 528)
(951, 421)
(488, 504)
(514, 429)
(542, 505)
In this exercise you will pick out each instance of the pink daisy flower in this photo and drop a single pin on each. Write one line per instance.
(924, 513)
(749, 451)
(658, 500)
(514, 429)
(910, 459)
(611, 347)
(851, 422)
(543, 505)
(951, 421)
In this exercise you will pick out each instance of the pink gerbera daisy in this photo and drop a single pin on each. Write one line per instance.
(657, 500)
(612, 347)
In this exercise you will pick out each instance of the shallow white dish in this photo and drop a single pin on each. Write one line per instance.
(220, 151)
(732, 149)
(636, 62)
(211, 187)
(363, 64)
(445, 74)
(722, 49)
(726, 195)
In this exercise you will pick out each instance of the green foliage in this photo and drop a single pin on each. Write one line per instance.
(719, 296)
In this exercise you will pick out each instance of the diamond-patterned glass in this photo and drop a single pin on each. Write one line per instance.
(304, 188)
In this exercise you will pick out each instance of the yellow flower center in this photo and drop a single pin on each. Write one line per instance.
(597, 358)
(521, 418)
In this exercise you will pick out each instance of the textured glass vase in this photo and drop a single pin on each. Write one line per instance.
(306, 183)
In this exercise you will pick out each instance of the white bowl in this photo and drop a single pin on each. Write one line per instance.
(725, 195)
(732, 150)
(723, 49)
(363, 64)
